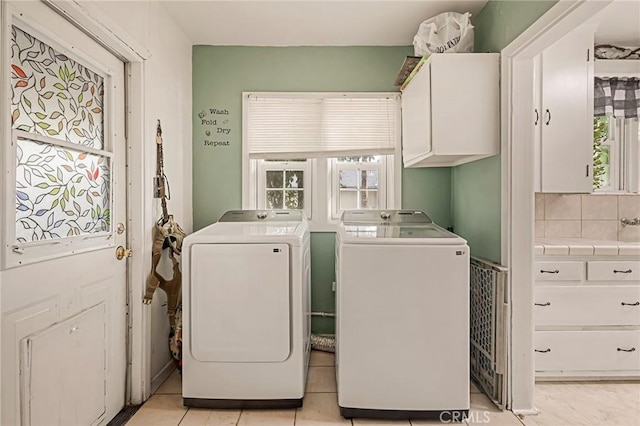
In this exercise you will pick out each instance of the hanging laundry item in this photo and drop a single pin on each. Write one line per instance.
(167, 235)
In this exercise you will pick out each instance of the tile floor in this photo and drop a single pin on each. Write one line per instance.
(560, 404)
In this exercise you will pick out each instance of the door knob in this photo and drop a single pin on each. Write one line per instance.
(122, 252)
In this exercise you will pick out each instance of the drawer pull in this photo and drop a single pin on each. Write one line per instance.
(626, 350)
(549, 350)
(555, 271)
(628, 271)
(630, 304)
(546, 304)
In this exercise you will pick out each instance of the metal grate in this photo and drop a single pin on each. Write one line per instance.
(487, 327)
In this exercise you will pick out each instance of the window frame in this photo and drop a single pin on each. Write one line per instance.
(385, 185)
(323, 217)
(623, 171)
(263, 166)
(16, 254)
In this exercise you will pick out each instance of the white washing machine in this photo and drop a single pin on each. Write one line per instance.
(246, 319)
(402, 328)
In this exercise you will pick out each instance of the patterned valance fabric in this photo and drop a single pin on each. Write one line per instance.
(608, 51)
(618, 97)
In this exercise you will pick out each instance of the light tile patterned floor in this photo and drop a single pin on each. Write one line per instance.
(560, 404)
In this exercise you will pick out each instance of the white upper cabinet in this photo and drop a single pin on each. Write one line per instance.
(451, 110)
(563, 114)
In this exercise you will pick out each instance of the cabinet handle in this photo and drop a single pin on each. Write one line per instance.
(630, 304)
(626, 350)
(542, 271)
(628, 271)
(545, 304)
(548, 117)
(537, 117)
(549, 350)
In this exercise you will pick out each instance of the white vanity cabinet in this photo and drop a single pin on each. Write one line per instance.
(563, 115)
(587, 317)
(451, 110)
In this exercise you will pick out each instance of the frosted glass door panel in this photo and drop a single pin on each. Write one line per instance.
(240, 302)
(60, 192)
(53, 95)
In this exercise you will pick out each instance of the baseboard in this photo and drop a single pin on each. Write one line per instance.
(526, 412)
(162, 375)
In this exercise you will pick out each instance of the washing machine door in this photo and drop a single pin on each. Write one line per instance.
(240, 309)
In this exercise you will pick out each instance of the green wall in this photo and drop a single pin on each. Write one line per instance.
(222, 73)
(475, 198)
(500, 22)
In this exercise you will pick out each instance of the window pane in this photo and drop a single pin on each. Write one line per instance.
(294, 199)
(274, 199)
(600, 158)
(53, 95)
(348, 200)
(294, 179)
(60, 192)
(603, 170)
(369, 179)
(368, 199)
(349, 179)
(275, 179)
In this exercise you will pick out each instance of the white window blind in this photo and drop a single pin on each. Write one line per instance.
(292, 125)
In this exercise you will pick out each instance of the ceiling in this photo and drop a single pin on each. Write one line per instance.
(620, 24)
(308, 22)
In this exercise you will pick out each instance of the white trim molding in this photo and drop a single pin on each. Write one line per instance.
(517, 183)
(88, 18)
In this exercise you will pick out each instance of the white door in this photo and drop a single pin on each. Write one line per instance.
(64, 197)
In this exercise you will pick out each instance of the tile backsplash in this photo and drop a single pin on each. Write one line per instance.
(594, 217)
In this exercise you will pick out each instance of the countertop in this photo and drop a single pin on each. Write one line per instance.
(584, 247)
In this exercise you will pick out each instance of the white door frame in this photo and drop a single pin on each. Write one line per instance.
(92, 21)
(517, 183)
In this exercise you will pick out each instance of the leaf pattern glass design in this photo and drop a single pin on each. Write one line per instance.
(53, 95)
(60, 192)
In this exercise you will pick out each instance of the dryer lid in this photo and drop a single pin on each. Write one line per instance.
(412, 232)
(386, 217)
(263, 216)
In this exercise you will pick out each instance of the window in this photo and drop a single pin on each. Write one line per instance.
(616, 142)
(62, 175)
(615, 154)
(358, 182)
(321, 152)
(284, 185)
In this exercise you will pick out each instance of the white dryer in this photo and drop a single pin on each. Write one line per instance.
(246, 319)
(402, 327)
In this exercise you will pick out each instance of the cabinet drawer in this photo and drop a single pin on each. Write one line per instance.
(587, 350)
(559, 271)
(587, 305)
(613, 271)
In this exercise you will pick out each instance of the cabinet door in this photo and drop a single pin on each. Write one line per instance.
(416, 116)
(567, 114)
